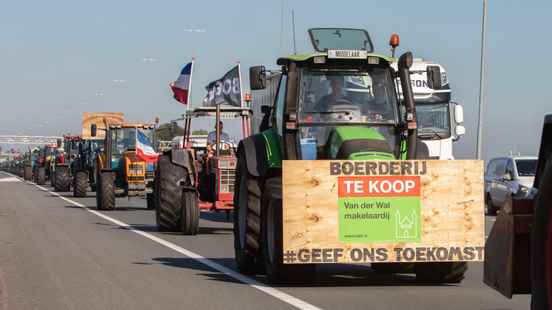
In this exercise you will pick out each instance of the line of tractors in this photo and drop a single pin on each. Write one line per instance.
(247, 178)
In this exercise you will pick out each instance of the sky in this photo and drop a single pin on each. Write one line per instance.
(61, 58)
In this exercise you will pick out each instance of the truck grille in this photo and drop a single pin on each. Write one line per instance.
(227, 177)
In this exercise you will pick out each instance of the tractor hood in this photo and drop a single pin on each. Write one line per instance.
(362, 143)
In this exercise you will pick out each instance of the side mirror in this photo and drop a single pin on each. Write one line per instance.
(93, 130)
(257, 77)
(434, 77)
(458, 113)
(59, 143)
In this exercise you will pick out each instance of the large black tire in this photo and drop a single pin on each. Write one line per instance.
(441, 273)
(541, 244)
(189, 221)
(105, 197)
(168, 194)
(40, 176)
(80, 184)
(272, 239)
(52, 177)
(247, 219)
(28, 173)
(62, 180)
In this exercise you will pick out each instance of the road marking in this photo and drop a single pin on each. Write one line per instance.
(294, 301)
(10, 180)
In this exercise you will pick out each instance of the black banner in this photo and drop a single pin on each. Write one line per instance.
(226, 90)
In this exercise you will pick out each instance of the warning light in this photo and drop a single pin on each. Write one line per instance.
(394, 41)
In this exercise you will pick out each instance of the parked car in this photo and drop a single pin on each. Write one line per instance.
(507, 176)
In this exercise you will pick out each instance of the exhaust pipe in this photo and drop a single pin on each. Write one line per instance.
(405, 62)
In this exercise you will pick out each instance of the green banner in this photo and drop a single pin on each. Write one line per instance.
(379, 219)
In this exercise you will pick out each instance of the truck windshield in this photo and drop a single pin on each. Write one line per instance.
(347, 97)
(526, 167)
(123, 139)
(433, 120)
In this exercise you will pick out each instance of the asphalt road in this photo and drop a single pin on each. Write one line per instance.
(59, 252)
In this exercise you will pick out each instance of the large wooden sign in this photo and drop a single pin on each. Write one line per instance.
(382, 211)
(100, 119)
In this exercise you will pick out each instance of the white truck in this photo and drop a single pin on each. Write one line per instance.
(440, 120)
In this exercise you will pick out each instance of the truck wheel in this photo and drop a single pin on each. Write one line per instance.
(80, 184)
(168, 194)
(28, 173)
(489, 207)
(62, 181)
(247, 219)
(541, 244)
(105, 197)
(442, 272)
(272, 239)
(150, 201)
(40, 176)
(189, 220)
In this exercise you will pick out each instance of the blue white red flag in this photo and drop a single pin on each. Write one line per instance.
(144, 147)
(181, 87)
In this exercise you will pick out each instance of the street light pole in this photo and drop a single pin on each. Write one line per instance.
(481, 83)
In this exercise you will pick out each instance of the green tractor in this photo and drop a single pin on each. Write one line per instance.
(340, 102)
(121, 167)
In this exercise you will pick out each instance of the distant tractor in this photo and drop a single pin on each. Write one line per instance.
(82, 167)
(197, 176)
(518, 257)
(120, 167)
(61, 171)
(43, 164)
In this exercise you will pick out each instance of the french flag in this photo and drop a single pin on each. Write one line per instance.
(181, 87)
(144, 147)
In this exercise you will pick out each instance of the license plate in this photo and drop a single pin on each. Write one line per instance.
(347, 54)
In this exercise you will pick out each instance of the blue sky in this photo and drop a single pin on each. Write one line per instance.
(60, 58)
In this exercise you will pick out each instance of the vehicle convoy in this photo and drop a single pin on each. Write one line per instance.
(194, 177)
(507, 176)
(338, 103)
(125, 165)
(440, 120)
(82, 167)
(61, 177)
(518, 257)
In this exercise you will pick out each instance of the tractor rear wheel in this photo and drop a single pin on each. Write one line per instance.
(189, 220)
(28, 173)
(541, 244)
(80, 184)
(247, 219)
(272, 239)
(105, 196)
(441, 272)
(168, 194)
(62, 180)
(40, 176)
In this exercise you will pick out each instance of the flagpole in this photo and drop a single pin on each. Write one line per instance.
(241, 88)
(189, 99)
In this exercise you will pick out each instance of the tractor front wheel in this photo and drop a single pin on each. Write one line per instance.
(189, 220)
(150, 201)
(541, 244)
(40, 176)
(80, 184)
(272, 239)
(105, 196)
(247, 219)
(62, 180)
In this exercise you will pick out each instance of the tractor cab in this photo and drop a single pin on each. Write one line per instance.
(341, 101)
(215, 155)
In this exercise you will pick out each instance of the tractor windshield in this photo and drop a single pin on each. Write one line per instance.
(123, 139)
(347, 97)
(433, 120)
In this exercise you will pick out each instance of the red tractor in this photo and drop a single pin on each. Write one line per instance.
(204, 170)
(518, 253)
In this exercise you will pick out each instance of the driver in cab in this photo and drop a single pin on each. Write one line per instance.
(335, 97)
(212, 139)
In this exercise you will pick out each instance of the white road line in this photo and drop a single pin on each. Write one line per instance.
(294, 301)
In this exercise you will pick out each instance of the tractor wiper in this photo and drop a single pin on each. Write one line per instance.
(431, 134)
